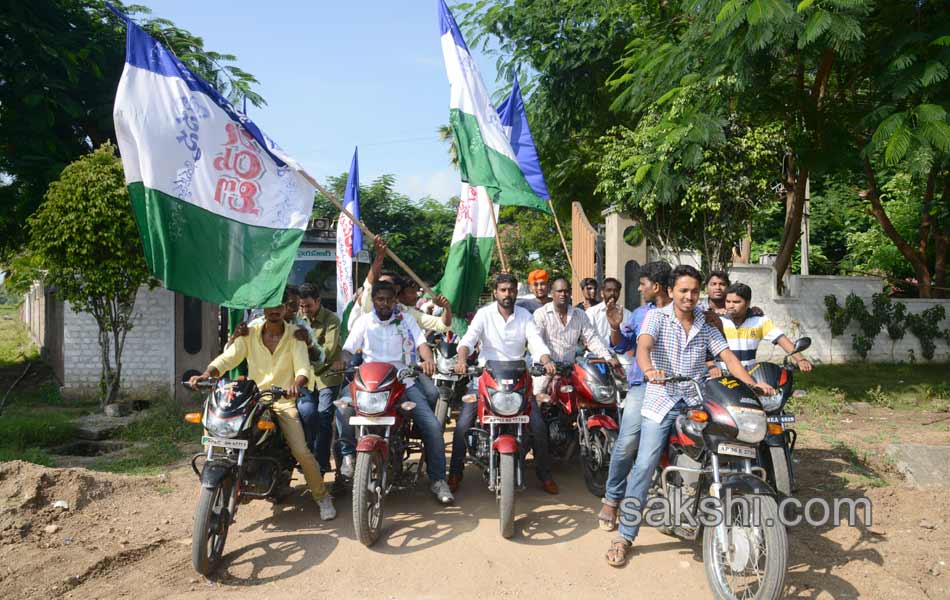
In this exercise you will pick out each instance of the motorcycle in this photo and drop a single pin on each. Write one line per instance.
(451, 386)
(580, 410)
(710, 455)
(246, 458)
(496, 443)
(775, 451)
(385, 442)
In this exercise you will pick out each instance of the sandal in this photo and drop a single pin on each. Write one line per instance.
(617, 554)
(605, 521)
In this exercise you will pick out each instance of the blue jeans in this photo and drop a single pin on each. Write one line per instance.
(653, 439)
(625, 448)
(431, 432)
(428, 386)
(316, 414)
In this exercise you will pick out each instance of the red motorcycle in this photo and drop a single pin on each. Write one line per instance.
(581, 411)
(385, 442)
(496, 444)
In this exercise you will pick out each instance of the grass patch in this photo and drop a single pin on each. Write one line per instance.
(159, 438)
(829, 387)
(15, 343)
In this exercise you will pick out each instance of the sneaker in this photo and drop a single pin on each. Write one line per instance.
(327, 511)
(442, 492)
(348, 466)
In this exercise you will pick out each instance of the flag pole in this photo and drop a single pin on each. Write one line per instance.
(501, 253)
(367, 231)
(563, 241)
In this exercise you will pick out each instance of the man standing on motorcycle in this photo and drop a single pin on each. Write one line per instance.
(386, 335)
(505, 331)
(538, 281)
(744, 329)
(275, 357)
(589, 288)
(716, 284)
(623, 338)
(612, 305)
(673, 340)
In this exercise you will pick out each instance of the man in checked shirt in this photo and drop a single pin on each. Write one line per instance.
(673, 340)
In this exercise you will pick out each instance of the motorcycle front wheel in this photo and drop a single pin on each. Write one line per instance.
(442, 406)
(210, 530)
(595, 461)
(506, 495)
(368, 495)
(752, 560)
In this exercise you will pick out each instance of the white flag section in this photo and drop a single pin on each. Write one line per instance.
(469, 261)
(344, 263)
(221, 209)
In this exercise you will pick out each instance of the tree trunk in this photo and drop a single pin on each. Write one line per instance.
(941, 249)
(795, 191)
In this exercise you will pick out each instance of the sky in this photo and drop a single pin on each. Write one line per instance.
(341, 74)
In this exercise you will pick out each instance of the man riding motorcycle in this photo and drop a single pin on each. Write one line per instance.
(275, 357)
(387, 335)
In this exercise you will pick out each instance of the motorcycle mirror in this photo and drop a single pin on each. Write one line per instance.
(802, 344)
(187, 375)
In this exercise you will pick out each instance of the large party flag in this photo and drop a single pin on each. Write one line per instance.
(485, 154)
(349, 238)
(515, 121)
(220, 207)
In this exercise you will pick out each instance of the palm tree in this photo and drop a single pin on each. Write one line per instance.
(446, 135)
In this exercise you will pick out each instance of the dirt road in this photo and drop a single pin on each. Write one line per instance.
(129, 537)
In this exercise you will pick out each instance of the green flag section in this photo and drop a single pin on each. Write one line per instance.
(486, 158)
(469, 261)
(220, 207)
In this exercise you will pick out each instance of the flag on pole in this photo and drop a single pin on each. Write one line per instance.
(469, 258)
(485, 154)
(349, 238)
(220, 207)
(515, 121)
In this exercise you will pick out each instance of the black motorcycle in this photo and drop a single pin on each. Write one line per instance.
(451, 386)
(775, 451)
(709, 461)
(246, 458)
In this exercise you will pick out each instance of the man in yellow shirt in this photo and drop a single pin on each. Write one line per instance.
(275, 357)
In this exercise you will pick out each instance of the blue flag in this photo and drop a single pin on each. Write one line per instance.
(515, 121)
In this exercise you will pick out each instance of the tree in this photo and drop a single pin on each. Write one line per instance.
(419, 232)
(59, 69)
(833, 72)
(84, 241)
(530, 242)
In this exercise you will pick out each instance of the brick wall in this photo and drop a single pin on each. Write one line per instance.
(148, 359)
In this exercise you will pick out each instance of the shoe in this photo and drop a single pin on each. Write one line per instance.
(549, 486)
(348, 466)
(454, 482)
(442, 492)
(327, 512)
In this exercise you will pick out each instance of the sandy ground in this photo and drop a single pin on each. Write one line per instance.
(129, 537)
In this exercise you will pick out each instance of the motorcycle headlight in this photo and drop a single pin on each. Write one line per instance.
(371, 403)
(602, 393)
(223, 428)
(445, 365)
(771, 403)
(506, 403)
(751, 423)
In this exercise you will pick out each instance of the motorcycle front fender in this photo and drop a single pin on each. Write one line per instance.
(214, 472)
(505, 444)
(372, 443)
(747, 484)
(602, 421)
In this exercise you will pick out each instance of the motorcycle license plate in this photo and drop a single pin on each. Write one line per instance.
(734, 450)
(373, 420)
(224, 443)
(781, 419)
(518, 419)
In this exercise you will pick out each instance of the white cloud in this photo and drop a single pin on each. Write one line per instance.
(441, 185)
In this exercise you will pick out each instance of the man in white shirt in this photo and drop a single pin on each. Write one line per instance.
(386, 335)
(504, 331)
(598, 313)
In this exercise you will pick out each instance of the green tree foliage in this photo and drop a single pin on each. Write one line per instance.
(564, 50)
(530, 242)
(59, 68)
(85, 244)
(419, 232)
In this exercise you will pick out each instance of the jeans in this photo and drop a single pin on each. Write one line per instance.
(625, 448)
(653, 439)
(429, 388)
(345, 433)
(316, 414)
(431, 433)
(539, 436)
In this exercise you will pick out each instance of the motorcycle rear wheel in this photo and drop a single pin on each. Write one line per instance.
(368, 496)
(210, 530)
(506, 495)
(765, 548)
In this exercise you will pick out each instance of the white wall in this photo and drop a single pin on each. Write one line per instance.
(802, 313)
(148, 359)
